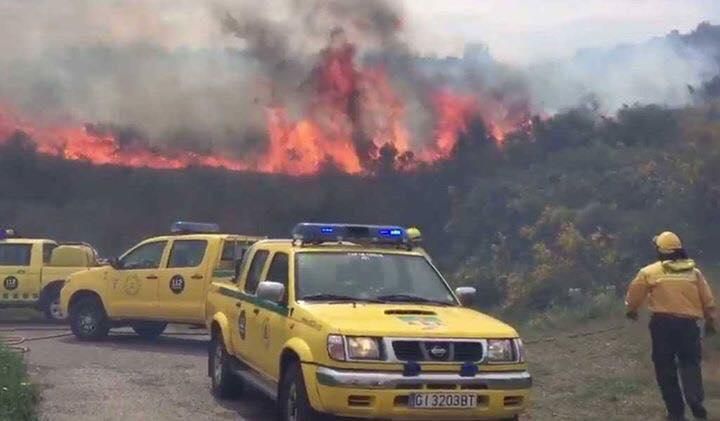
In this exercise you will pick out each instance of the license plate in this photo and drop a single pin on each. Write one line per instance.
(443, 400)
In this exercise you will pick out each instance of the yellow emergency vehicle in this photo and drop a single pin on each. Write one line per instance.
(32, 271)
(161, 280)
(352, 321)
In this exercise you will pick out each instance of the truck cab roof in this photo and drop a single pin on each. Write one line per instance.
(337, 247)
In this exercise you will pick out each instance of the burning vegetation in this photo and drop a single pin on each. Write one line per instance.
(350, 115)
(353, 114)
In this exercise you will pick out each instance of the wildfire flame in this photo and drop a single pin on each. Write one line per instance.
(354, 115)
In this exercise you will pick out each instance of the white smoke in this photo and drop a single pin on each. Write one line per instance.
(171, 68)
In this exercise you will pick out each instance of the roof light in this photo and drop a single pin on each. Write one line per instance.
(319, 233)
(8, 233)
(182, 227)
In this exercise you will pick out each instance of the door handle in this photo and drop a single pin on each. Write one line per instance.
(256, 311)
(151, 277)
(196, 277)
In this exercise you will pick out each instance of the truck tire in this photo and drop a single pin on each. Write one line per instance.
(51, 306)
(88, 320)
(224, 384)
(149, 330)
(293, 400)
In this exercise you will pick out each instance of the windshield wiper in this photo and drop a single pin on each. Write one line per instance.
(411, 299)
(336, 297)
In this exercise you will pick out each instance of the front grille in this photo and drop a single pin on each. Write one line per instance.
(407, 350)
(437, 351)
(468, 351)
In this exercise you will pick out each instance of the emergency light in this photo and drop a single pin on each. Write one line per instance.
(7, 233)
(320, 233)
(182, 227)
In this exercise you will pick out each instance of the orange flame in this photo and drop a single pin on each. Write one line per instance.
(354, 114)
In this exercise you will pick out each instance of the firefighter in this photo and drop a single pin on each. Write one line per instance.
(678, 297)
(415, 237)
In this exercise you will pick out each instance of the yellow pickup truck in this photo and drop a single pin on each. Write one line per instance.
(354, 321)
(34, 270)
(161, 280)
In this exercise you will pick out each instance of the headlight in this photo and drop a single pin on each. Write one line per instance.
(501, 351)
(358, 348)
(362, 348)
(336, 347)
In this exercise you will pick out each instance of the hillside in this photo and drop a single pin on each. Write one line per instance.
(570, 202)
(607, 376)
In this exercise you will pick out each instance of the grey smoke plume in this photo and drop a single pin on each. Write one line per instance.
(200, 73)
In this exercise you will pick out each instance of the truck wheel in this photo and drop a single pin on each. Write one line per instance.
(51, 308)
(293, 399)
(88, 320)
(149, 330)
(225, 384)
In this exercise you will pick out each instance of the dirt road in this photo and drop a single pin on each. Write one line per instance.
(128, 378)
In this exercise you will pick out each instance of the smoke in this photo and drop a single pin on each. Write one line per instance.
(201, 73)
(659, 71)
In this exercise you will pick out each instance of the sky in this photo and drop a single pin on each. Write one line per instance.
(516, 31)
(522, 31)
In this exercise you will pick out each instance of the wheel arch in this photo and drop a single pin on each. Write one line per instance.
(85, 293)
(297, 350)
(218, 326)
(48, 289)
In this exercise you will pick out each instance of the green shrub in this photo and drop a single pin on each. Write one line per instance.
(17, 396)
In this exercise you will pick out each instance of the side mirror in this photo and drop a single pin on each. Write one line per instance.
(271, 291)
(466, 295)
(114, 262)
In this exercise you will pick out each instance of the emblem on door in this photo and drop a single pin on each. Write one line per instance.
(10, 283)
(177, 284)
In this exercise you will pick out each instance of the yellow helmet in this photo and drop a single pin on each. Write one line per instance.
(413, 234)
(667, 242)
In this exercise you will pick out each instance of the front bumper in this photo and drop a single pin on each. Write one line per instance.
(387, 394)
(514, 380)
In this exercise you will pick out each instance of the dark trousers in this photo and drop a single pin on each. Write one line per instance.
(678, 339)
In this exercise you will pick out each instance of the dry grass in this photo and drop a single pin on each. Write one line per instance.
(608, 376)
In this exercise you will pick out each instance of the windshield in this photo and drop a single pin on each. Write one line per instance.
(369, 276)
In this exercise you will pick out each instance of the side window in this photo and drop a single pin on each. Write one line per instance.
(256, 268)
(47, 251)
(187, 253)
(232, 251)
(15, 254)
(279, 271)
(147, 256)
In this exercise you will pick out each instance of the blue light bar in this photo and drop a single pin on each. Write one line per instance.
(319, 233)
(8, 233)
(182, 227)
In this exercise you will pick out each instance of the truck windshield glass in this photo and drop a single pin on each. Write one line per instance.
(15, 254)
(369, 276)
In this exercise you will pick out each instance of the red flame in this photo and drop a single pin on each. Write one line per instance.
(355, 113)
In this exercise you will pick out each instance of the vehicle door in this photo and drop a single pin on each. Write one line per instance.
(274, 317)
(19, 271)
(245, 316)
(134, 284)
(181, 290)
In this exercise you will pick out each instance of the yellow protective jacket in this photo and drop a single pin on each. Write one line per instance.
(672, 287)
